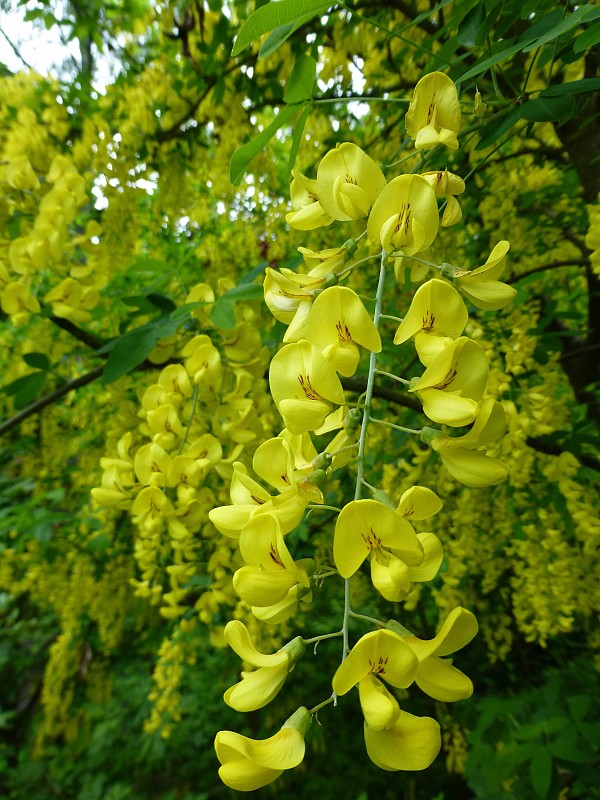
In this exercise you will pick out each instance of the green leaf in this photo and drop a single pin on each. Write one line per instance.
(587, 39)
(244, 154)
(579, 706)
(223, 314)
(302, 80)
(37, 361)
(540, 770)
(470, 24)
(245, 291)
(24, 390)
(484, 65)
(129, 352)
(564, 26)
(274, 15)
(569, 749)
(491, 132)
(548, 109)
(572, 87)
(297, 138)
(251, 276)
(280, 35)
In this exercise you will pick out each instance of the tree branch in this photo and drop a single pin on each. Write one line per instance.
(43, 402)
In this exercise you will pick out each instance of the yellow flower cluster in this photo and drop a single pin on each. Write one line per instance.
(327, 325)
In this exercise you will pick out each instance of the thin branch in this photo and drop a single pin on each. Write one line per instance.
(16, 51)
(83, 336)
(573, 262)
(43, 402)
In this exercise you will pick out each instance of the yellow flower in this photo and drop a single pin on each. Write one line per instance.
(381, 653)
(446, 185)
(437, 315)
(368, 528)
(453, 383)
(271, 570)
(308, 212)
(249, 497)
(289, 297)
(348, 182)
(411, 743)
(322, 262)
(435, 675)
(337, 322)
(404, 218)
(433, 116)
(481, 286)
(460, 454)
(419, 503)
(259, 687)
(305, 388)
(248, 764)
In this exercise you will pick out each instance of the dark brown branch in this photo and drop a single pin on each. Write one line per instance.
(83, 336)
(43, 402)
(573, 262)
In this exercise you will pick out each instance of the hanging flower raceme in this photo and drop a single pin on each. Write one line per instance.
(337, 323)
(308, 213)
(433, 116)
(368, 528)
(305, 388)
(464, 456)
(248, 764)
(348, 182)
(436, 317)
(404, 219)
(258, 687)
(453, 384)
(481, 286)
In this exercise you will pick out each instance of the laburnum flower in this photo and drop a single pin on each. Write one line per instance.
(270, 570)
(464, 456)
(481, 286)
(289, 297)
(18, 302)
(447, 185)
(337, 323)
(435, 675)
(433, 116)
(305, 388)
(367, 528)
(248, 497)
(248, 764)
(395, 740)
(258, 687)
(332, 259)
(436, 316)
(348, 182)
(308, 213)
(453, 384)
(404, 218)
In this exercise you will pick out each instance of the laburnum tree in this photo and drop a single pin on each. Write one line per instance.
(301, 344)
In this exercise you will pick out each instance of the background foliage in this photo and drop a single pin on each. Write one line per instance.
(117, 200)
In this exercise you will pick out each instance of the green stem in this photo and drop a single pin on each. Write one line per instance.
(396, 427)
(372, 620)
(363, 438)
(392, 376)
(192, 415)
(320, 638)
(321, 705)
